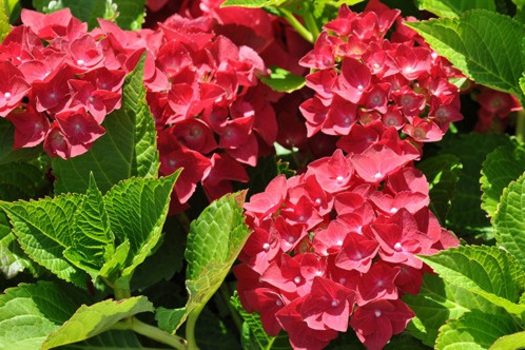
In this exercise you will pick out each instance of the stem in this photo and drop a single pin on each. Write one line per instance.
(152, 332)
(294, 22)
(190, 327)
(520, 126)
(310, 23)
(225, 292)
(121, 289)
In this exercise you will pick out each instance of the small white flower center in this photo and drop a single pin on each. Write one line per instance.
(398, 247)
(378, 176)
(360, 87)
(291, 239)
(377, 313)
(7, 96)
(393, 210)
(297, 279)
(266, 246)
(278, 302)
(80, 62)
(318, 201)
(335, 303)
(339, 179)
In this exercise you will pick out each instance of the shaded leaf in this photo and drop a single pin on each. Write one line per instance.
(454, 8)
(85, 10)
(89, 321)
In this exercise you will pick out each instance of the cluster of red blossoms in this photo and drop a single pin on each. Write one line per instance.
(336, 245)
(60, 81)
(359, 76)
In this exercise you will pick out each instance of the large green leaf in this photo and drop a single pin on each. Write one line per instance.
(503, 165)
(454, 8)
(129, 147)
(21, 180)
(137, 209)
(44, 229)
(437, 302)
(29, 312)
(484, 45)
(89, 321)
(486, 271)
(85, 10)
(214, 241)
(509, 220)
(514, 341)
(93, 239)
(465, 214)
(5, 27)
(130, 13)
(443, 173)
(474, 330)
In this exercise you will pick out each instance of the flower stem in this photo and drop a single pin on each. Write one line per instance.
(151, 332)
(190, 327)
(520, 126)
(310, 23)
(294, 22)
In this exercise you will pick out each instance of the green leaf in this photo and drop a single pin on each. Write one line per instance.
(213, 334)
(484, 45)
(474, 330)
(246, 3)
(486, 271)
(454, 8)
(29, 312)
(89, 321)
(167, 319)
(281, 80)
(509, 220)
(5, 27)
(519, 3)
(21, 180)
(93, 240)
(44, 230)
(12, 258)
(509, 342)
(254, 336)
(465, 214)
(137, 209)
(130, 13)
(503, 165)
(85, 10)
(443, 173)
(214, 241)
(129, 147)
(437, 302)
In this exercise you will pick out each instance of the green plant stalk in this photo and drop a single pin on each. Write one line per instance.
(310, 23)
(520, 126)
(152, 332)
(190, 327)
(298, 26)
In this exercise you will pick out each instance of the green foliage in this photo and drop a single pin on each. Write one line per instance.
(29, 312)
(5, 27)
(443, 173)
(484, 45)
(282, 80)
(214, 241)
(89, 321)
(12, 258)
(131, 215)
(7, 154)
(131, 13)
(438, 302)
(465, 214)
(85, 10)
(454, 8)
(510, 342)
(108, 340)
(474, 330)
(489, 272)
(129, 147)
(503, 165)
(509, 220)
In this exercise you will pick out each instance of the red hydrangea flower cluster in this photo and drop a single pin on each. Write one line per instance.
(496, 106)
(335, 247)
(359, 75)
(60, 81)
(210, 109)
